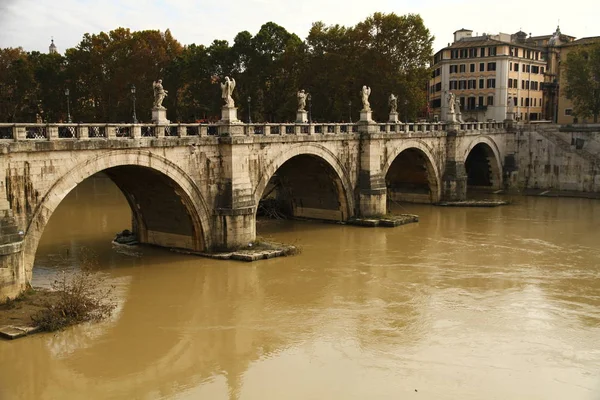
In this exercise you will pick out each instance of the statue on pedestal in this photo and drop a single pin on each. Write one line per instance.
(365, 93)
(159, 94)
(227, 90)
(451, 102)
(301, 100)
(393, 103)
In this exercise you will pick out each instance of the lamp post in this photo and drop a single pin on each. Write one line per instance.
(405, 111)
(68, 106)
(350, 110)
(309, 109)
(134, 118)
(249, 110)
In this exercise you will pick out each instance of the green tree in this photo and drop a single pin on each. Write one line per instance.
(582, 86)
(18, 101)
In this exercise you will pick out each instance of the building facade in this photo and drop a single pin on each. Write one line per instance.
(484, 71)
(565, 110)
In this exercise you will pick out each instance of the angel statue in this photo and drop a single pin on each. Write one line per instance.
(226, 91)
(301, 100)
(451, 102)
(159, 94)
(365, 93)
(393, 103)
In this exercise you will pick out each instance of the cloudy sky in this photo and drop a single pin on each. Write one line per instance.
(31, 23)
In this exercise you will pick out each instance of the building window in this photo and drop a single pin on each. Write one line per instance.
(510, 66)
(528, 68)
(491, 66)
(471, 103)
(462, 84)
(516, 67)
(568, 111)
(472, 53)
(535, 69)
(453, 69)
(453, 85)
(509, 83)
(522, 84)
(491, 83)
(527, 102)
(482, 84)
(481, 67)
(438, 87)
(482, 52)
(527, 85)
(490, 100)
(515, 100)
(491, 51)
(480, 101)
(472, 67)
(463, 68)
(541, 70)
(522, 102)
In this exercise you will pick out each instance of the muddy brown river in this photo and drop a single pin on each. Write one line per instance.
(470, 303)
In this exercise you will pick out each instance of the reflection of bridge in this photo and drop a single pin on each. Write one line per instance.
(197, 186)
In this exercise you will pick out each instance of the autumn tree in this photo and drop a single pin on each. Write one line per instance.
(582, 84)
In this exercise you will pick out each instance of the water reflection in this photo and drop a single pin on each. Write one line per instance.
(455, 306)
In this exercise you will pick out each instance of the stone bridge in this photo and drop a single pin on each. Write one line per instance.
(198, 187)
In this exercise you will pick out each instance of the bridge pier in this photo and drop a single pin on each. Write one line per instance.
(13, 279)
(234, 219)
(454, 179)
(372, 191)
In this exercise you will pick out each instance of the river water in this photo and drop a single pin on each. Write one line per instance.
(470, 303)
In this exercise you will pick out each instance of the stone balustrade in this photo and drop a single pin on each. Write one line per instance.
(41, 132)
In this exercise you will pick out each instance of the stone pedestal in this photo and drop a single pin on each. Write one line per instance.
(459, 118)
(394, 117)
(229, 115)
(510, 116)
(451, 117)
(301, 117)
(159, 116)
(365, 115)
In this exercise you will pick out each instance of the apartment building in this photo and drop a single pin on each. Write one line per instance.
(483, 71)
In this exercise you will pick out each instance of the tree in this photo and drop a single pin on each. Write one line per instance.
(582, 86)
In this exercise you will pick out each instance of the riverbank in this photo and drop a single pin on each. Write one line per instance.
(16, 315)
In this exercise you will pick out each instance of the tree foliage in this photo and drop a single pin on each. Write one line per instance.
(582, 72)
(388, 52)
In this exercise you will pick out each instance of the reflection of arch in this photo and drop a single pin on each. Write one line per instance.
(185, 191)
(493, 157)
(308, 149)
(433, 176)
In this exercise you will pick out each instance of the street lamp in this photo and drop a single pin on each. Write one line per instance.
(309, 109)
(134, 119)
(68, 106)
(350, 110)
(249, 110)
(405, 111)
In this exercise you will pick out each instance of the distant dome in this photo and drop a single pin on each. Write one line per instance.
(52, 49)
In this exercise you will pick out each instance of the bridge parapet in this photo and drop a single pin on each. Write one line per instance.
(94, 131)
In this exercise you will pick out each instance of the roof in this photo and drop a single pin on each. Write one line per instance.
(463, 30)
(474, 42)
(583, 41)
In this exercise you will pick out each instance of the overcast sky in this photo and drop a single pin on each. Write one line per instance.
(31, 23)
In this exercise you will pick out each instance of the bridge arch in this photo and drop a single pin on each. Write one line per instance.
(413, 160)
(314, 155)
(483, 163)
(182, 194)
